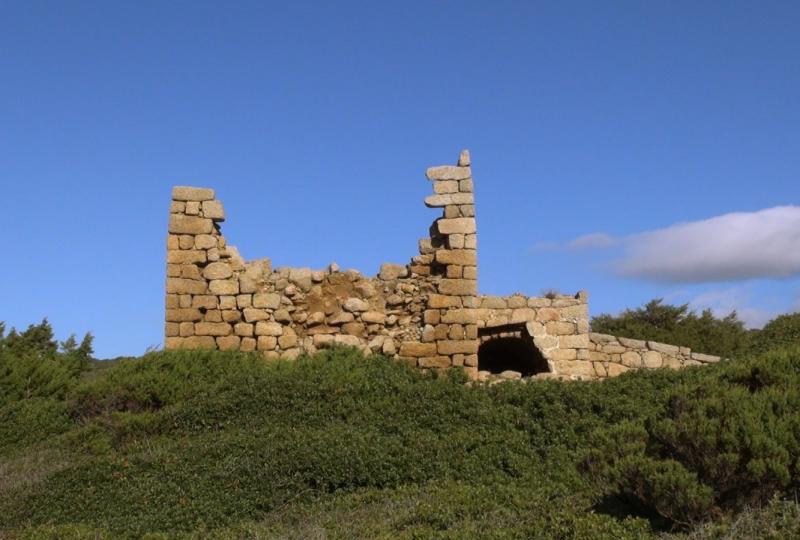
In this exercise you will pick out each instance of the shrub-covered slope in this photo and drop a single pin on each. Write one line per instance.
(212, 444)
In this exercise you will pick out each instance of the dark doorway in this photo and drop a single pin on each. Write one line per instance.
(515, 352)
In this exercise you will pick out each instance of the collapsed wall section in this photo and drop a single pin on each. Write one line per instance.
(611, 355)
(426, 313)
(420, 312)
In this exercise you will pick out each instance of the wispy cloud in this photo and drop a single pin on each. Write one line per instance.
(593, 241)
(722, 302)
(730, 247)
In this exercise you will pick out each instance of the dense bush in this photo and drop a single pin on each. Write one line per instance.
(34, 364)
(205, 444)
(780, 331)
(728, 440)
(677, 325)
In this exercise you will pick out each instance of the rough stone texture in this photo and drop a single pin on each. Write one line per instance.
(427, 313)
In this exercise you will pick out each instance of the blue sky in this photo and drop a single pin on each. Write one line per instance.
(595, 128)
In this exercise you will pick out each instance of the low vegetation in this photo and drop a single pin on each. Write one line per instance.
(227, 445)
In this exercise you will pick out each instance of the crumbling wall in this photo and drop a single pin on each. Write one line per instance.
(426, 313)
(611, 355)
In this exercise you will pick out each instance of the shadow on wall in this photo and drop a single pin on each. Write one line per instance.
(513, 353)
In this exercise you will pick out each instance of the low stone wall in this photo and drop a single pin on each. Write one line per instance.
(611, 355)
(426, 313)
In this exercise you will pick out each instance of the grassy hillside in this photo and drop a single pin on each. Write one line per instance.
(223, 445)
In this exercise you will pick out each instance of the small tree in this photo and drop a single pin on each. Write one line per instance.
(677, 325)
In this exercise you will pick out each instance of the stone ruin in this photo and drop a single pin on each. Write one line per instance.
(427, 313)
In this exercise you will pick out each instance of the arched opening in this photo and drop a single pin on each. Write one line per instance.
(511, 351)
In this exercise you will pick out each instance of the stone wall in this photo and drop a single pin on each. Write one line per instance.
(612, 355)
(426, 313)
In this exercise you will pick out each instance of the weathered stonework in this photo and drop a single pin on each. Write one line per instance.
(427, 313)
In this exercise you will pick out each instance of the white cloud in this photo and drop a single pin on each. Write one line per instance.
(722, 302)
(593, 241)
(736, 246)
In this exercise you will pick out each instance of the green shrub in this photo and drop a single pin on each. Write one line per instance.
(724, 442)
(677, 325)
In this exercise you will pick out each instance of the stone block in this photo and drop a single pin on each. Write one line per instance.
(523, 315)
(213, 315)
(183, 224)
(471, 241)
(302, 278)
(454, 271)
(227, 302)
(212, 329)
(447, 172)
(439, 301)
(464, 316)
(417, 349)
(188, 193)
(347, 340)
(183, 314)
(632, 343)
(547, 314)
(564, 354)
(217, 270)
(650, 359)
(248, 344)
(265, 328)
(615, 370)
(213, 210)
(443, 187)
(576, 368)
(228, 343)
(354, 329)
(186, 329)
(456, 226)
(470, 272)
(457, 256)
(705, 358)
(193, 342)
(373, 317)
(431, 316)
(391, 271)
(186, 257)
(267, 300)
(205, 241)
(231, 315)
(172, 329)
(452, 211)
(224, 286)
(282, 316)
(560, 328)
(255, 314)
(266, 343)
(671, 350)
(460, 287)
(453, 347)
(185, 286)
(535, 328)
(434, 362)
(323, 341)
(493, 302)
(243, 329)
(355, 305)
(186, 241)
(577, 341)
(631, 359)
(340, 318)
(441, 201)
(288, 339)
